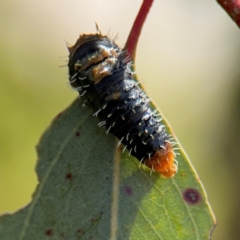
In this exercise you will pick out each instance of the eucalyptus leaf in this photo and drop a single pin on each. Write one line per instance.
(88, 189)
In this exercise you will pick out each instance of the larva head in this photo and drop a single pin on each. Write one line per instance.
(163, 161)
(84, 38)
(93, 56)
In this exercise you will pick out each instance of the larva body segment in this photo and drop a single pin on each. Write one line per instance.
(101, 72)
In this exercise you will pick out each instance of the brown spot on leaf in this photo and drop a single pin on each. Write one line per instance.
(69, 176)
(191, 196)
(79, 231)
(59, 115)
(77, 134)
(128, 190)
(49, 232)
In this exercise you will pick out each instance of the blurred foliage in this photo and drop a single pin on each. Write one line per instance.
(191, 46)
(230, 142)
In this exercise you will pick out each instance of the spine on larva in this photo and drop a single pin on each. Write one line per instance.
(101, 72)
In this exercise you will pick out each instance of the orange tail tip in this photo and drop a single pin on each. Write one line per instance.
(163, 161)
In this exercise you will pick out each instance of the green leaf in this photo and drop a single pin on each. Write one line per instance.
(89, 190)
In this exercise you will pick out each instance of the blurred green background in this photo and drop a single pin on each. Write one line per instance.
(188, 58)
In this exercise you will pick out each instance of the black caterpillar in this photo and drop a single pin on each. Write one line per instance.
(101, 72)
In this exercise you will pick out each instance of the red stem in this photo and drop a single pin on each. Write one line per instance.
(131, 44)
(232, 7)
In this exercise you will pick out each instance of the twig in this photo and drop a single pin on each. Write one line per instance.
(232, 7)
(131, 44)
